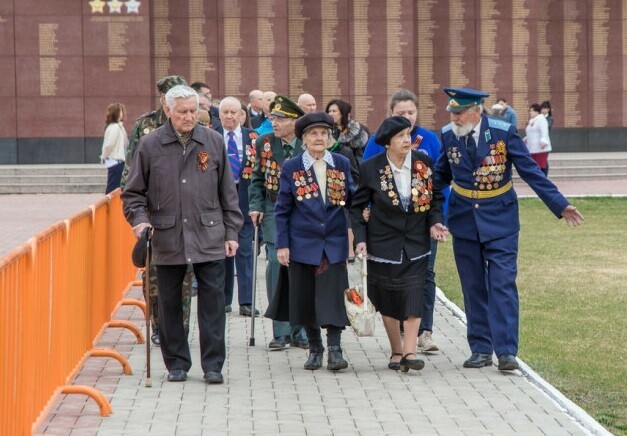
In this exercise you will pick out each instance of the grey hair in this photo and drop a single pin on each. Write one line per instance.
(230, 99)
(179, 91)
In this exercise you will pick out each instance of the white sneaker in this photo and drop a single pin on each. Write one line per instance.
(425, 343)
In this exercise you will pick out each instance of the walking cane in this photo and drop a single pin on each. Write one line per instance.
(251, 342)
(147, 300)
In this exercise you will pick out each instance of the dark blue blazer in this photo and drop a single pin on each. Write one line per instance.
(242, 189)
(311, 227)
(490, 218)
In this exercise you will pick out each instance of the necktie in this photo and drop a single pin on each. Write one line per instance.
(471, 147)
(287, 151)
(234, 159)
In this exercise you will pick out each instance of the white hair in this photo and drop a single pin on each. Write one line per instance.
(231, 100)
(179, 91)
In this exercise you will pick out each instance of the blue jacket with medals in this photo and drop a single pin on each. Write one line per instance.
(307, 225)
(483, 205)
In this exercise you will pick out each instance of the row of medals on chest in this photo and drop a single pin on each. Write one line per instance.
(420, 199)
(490, 172)
(306, 187)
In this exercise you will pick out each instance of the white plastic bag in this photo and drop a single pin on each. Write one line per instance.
(361, 316)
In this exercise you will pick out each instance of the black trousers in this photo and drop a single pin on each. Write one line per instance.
(211, 316)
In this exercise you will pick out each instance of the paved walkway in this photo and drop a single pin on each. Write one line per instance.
(269, 392)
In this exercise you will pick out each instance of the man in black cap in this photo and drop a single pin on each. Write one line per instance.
(271, 150)
(477, 158)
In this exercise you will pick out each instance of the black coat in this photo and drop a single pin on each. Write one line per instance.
(390, 228)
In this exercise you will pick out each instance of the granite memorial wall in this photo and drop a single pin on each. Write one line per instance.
(63, 61)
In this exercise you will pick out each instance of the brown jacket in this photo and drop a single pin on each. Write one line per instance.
(193, 212)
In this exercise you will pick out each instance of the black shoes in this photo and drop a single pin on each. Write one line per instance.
(247, 310)
(507, 362)
(177, 375)
(154, 338)
(395, 365)
(277, 344)
(314, 361)
(406, 364)
(335, 361)
(213, 378)
(478, 360)
(304, 344)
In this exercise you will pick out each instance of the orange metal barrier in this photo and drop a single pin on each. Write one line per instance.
(58, 293)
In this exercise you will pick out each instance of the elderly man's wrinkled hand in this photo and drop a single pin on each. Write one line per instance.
(256, 217)
(361, 249)
(439, 232)
(572, 216)
(139, 228)
(283, 254)
(231, 248)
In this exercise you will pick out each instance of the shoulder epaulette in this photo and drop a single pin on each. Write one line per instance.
(498, 124)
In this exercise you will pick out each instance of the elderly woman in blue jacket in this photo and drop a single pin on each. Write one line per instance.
(312, 238)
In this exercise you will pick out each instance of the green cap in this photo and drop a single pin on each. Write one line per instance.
(285, 108)
(168, 82)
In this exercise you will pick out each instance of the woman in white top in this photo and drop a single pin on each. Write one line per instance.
(114, 145)
(537, 139)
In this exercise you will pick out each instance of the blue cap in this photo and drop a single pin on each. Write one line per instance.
(460, 99)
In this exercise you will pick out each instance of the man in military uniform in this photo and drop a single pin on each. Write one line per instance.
(477, 157)
(144, 125)
(271, 150)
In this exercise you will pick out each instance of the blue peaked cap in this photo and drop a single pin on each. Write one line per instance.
(461, 99)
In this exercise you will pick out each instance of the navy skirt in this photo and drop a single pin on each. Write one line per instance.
(397, 290)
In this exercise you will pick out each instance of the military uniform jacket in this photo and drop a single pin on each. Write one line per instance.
(391, 228)
(144, 125)
(499, 148)
(188, 196)
(307, 225)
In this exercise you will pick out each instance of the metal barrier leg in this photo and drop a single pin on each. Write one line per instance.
(128, 325)
(134, 302)
(103, 403)
(103, 352)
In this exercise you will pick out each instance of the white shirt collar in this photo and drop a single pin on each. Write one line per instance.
(237, 131)
(477, 129)
(308, 160)
(406, 163)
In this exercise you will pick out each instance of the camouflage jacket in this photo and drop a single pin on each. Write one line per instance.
(143, 126)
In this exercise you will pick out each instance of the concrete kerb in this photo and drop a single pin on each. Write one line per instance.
(577, 413)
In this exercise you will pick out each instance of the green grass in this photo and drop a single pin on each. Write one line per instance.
(573, 302)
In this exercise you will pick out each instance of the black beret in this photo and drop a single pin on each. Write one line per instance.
(390, 127)
(140, 250)
(313, 119)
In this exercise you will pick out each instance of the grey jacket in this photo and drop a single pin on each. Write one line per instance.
(193, 212)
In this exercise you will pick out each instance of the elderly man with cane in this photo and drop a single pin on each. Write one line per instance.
(181, 185)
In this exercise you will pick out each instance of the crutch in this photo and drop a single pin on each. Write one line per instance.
(251, 341)
(147, 300)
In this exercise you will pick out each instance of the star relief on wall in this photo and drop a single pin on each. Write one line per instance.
(132, 6)
(97, 6)
(115, 6)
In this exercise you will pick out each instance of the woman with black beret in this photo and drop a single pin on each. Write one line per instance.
(312, 241)
(405, 211)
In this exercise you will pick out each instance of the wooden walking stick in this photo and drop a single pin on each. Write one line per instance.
(147, 300)
(251, 341)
